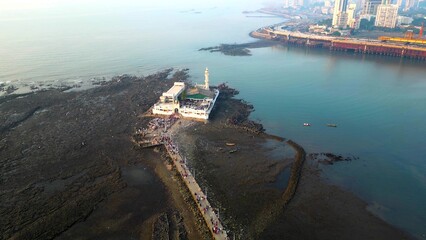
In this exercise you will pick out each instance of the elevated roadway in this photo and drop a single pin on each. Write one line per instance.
(365, 46)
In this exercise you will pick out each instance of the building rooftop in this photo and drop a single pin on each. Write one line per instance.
(174, 91)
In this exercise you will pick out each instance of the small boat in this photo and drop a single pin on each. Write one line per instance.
(306, 124)
(230, 144)
(331, 125)
(233, 150)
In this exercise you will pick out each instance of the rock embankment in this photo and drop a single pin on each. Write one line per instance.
(271, 213)
(169, 225)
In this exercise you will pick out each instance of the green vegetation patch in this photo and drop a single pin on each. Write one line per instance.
(196, 96)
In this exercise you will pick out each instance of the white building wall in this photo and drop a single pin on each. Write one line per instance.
(370, 7)
(403, 20)
(387, 15)
(170, 108)
(200, 114)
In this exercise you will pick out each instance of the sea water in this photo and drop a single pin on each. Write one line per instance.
(379, 104)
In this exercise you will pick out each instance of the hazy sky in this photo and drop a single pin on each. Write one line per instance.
(26, 10)
(17, 5)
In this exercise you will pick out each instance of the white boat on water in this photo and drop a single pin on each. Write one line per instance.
(306, 124)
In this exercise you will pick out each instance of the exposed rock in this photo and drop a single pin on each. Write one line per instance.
(330, 158)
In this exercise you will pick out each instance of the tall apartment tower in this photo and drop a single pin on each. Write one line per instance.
(387, 15)
(370, 7)
(351, 15)
(409, 4)
(293, 3)
(340, 17)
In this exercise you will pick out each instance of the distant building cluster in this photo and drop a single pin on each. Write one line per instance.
(366, 14)
(293, 3)
(348, 14)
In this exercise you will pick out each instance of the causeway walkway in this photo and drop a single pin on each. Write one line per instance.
(210, 215)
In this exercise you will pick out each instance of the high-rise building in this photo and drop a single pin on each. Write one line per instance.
(293, 3)
(351, 15)
(370, 7)
(387, 15)
(409, 4)
(340, 17)
(399, 3)
(288, 3)
(342, 20)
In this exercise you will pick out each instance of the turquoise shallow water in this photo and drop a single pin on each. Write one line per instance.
(378, 104)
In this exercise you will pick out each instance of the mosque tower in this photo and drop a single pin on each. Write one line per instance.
(206, 79)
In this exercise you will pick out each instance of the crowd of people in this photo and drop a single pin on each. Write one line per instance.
(169, 144)
(162, 123)
(154, 133)
(157, 125)
(195, 104)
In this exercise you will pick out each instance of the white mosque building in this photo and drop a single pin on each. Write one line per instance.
(189, 101)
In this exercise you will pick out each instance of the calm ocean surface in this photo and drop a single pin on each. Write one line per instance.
(379, 104)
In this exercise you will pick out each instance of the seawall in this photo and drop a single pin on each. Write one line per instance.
(270, 214)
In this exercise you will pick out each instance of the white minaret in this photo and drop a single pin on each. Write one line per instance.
(206, 79)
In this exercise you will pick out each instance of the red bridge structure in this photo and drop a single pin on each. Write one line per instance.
(385, 49)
